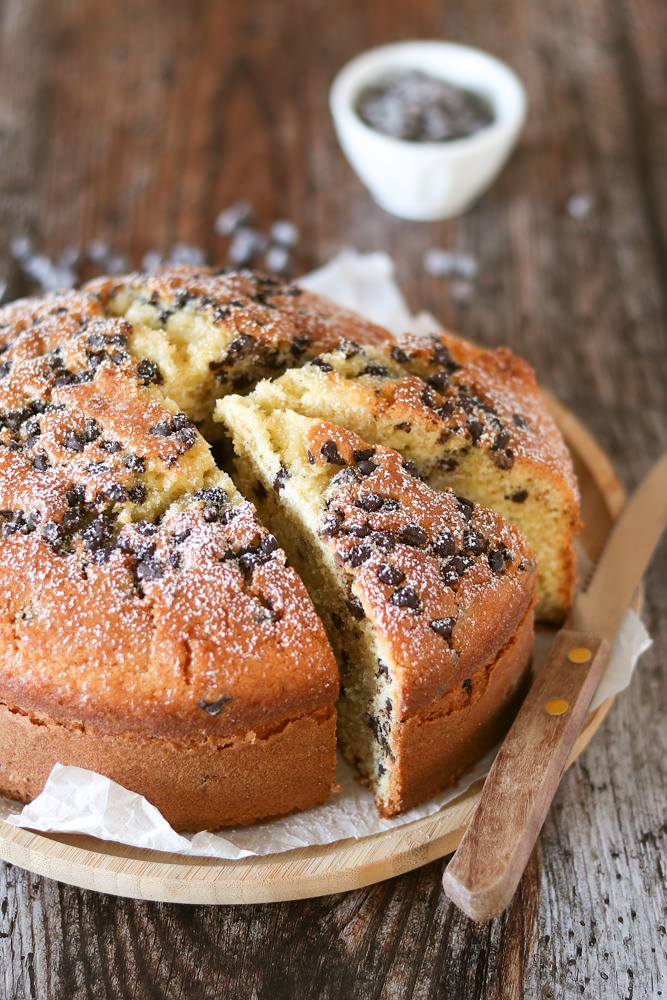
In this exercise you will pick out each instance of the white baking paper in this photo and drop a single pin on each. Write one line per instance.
(79, 801)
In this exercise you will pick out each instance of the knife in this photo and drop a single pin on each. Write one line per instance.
(483, 874)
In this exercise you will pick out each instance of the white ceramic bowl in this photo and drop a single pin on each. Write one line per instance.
(428, 180)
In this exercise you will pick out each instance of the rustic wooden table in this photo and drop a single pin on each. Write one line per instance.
(136, 123)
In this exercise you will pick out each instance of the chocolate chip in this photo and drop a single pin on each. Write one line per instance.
(115, 492)
(355, 608)
(411, 468)
(475, 429)
(364, 454)
(384, 540)
(359, 531)
(444, 544)
(52, 533)
(473, 541)
(467, 686)
(413, 535)
(461, 563)
(405, 597)
(322, 364)
(438, 381)
(504, 459)
(5, 368)
(519, 496)
(75, 441)
(134, 462)
(150, 569)
(501, 440)
(441, 355)
(279, 481)
(370, 502)
(215, 707)
(466, 507)
(75, 496)
(358, 554)
(180, 536)
(519, 421)
(382, 670)
(449, 575)
(149, 372)
(391, 575)
(496, 562)
(366, 467)
(373, 368)
(41, 461)
(92, 430)
(331, 524)
(137, 493)
(161, 429)
(343, 478)
(443, 627)
(399, 355)
(331, 454)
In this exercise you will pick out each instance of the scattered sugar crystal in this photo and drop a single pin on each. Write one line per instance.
(443, 263)
(38, 267)
(277, 258)
(461, 289)
(580, 206)
(151, 260)
(69, 257)
(49, 276)
(21, 247)
(186, 253)
(245, 245)
(238, 214)
(97, 251)
(284, 232)
(116, 265)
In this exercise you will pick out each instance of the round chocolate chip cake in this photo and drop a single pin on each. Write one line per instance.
(151, 627)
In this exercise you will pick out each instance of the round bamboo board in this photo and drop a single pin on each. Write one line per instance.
(314, 871)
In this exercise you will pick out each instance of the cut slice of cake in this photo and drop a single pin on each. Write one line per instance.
(471, 420)
(427, 598)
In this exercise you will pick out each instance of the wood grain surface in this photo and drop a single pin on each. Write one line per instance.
(136, 123)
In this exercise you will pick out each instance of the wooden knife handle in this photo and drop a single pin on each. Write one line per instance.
(483, 875)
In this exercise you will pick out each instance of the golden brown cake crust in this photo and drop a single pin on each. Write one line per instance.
(202, 782)
(438, 745)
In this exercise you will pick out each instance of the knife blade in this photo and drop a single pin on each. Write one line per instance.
(601, 608)
(484, 872)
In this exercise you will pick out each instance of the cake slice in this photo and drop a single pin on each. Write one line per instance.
(472, 420)
(427, 598)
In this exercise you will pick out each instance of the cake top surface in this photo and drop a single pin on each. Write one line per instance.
(444, 581)
(443, 385)
(134, 579)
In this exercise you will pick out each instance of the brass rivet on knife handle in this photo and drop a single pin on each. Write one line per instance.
(557, 706)
(580, 654)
